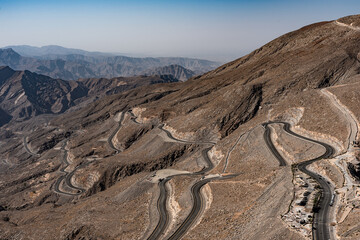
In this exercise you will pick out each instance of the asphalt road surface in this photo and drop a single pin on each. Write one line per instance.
(270, 145)
(162, 200)
(67, 176)
(195, 191)
(180, 140)
(112, 135)
(62, 170)
(163, 213)
(198, 205)
(27, 149)
(321, 223)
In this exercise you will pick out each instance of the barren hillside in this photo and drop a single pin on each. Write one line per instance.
(256, 149)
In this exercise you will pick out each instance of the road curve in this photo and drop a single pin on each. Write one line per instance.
(71, 174)
(27, 149)
(67, 176)
(162, 209)
(161, 127)
(133, 117)
(162, 200)
(112, 135)
(195, 191)
(321, 219)
(198, 205)
(270, 144)
(62, 170)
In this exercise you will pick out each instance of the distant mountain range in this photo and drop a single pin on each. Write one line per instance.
(24, 94)
(53, 50)
(71, 64)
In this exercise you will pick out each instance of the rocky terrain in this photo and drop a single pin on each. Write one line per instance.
(24, 94)
(71, 64)
(177, 71)
(209, 158)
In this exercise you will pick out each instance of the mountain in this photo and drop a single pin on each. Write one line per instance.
(30, 51)
(9, 56)
(177, 71)
(24, 94)
(256, 149)
(55, 62)
(4, 117)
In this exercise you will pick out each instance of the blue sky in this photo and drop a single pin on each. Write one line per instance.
(218, 30)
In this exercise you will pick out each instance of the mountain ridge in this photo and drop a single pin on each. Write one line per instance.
(31, 51)
(177, 71)
(24, 94)
(75, 65)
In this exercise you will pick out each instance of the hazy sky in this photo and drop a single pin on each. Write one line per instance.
(218, 30)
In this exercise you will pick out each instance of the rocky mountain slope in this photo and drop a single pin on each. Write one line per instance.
(24, 94)
(177, 71)
(104, 170)
(74, 66)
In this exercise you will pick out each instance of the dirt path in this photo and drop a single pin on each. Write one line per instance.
(353, 123)
(347, 25)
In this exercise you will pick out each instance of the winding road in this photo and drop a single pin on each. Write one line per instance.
(65, 176)
(321, 218)
(161, 127)
(198, 205)
(195, 192)
(27, 149)
(68, 175)
(112, 135)
(162, 209)
(270, 145)
(196, 195)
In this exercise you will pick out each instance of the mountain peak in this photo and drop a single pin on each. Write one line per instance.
(5, 68)
(5, 72)
(8, 51)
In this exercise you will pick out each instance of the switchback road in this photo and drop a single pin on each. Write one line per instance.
(67, 176)
(162, 200)
(198, 205)
(321, 223)
(195, 191)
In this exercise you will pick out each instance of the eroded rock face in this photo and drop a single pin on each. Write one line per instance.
(177, 71)
(24, 94)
